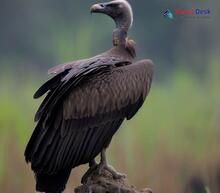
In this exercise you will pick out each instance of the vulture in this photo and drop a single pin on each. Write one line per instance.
(86, 102)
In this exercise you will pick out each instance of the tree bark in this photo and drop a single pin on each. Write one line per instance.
(105, 183)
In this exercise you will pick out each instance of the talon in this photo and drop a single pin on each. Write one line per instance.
(99, 169)
(115, 174)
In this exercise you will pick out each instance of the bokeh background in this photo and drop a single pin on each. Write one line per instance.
(172, 145)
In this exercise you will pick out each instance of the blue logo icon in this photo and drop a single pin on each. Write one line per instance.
(168, 14)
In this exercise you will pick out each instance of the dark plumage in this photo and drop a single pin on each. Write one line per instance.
(87, 101)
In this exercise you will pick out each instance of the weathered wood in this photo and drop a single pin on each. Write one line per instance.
(105, 183)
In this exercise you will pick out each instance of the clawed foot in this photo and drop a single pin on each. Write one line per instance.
(100, 168)
(103, 166)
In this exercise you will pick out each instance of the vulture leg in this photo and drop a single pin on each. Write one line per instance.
(98, 168)
(92, 167)
(93, 163)
(104, 166)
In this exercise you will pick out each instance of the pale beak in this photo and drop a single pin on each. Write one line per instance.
(98, 8)
(95, 8)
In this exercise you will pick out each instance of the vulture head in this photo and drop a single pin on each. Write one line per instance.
(121, 12)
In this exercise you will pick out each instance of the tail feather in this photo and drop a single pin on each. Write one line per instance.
(54, 183)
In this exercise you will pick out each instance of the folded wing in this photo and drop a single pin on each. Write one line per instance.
(83, 110)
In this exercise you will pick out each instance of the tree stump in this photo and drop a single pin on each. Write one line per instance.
(105, 183)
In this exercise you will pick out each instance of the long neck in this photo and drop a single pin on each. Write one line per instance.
(119, 36)
(123, 23)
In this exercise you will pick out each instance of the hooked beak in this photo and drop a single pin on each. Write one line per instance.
(98, 8)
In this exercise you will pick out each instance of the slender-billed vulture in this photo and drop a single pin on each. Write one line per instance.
(87, 101)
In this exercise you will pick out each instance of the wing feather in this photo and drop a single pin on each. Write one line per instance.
(84, 110)
(110, 92)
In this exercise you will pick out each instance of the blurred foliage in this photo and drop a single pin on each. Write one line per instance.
(172, 144)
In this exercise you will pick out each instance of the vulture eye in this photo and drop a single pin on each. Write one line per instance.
(102, 5)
